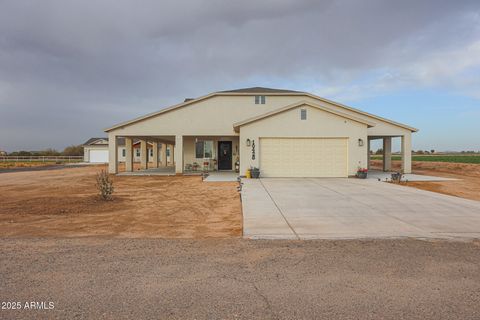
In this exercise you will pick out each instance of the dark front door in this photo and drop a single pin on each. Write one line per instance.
(224, 155)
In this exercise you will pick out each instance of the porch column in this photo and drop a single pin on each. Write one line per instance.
(155, 154)
(112, 153)
(128, 154)
(407, 153)
(387, 153)
(164, 154)
(172, 153)
(368, 153)
(143, 154)
(178, 154)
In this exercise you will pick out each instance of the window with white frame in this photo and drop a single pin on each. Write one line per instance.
(204, 149)
(259, 99)
(123, 153)
(137, 151)
(303, 114)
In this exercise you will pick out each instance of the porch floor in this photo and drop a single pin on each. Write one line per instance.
(219, 176)
(161, 171)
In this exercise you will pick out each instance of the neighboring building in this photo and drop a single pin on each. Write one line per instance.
(95, 150)
(3, 153)
(284, 133)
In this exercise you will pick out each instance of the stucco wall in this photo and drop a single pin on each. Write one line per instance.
(318, 124)
(216, 116)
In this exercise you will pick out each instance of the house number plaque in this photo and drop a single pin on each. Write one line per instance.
(253, 149)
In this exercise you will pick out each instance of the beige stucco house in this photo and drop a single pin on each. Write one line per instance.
(284, 133)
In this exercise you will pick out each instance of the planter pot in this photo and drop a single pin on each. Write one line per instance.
(255, 173)
(362, 175)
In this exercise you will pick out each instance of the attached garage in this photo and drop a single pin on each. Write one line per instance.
(304, 140)
(304, 157)
(98, 156)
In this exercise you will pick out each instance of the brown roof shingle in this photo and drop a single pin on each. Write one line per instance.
(260, 90)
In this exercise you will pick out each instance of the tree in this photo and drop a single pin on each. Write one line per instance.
(379, 151)
(432, 151)
(49, 152)
(20, 153)
(73, 150)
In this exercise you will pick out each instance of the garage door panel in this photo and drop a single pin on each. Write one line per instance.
(98, 156)
(304, 157)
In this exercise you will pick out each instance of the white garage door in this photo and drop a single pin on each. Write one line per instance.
(98, 156)
(302, 157)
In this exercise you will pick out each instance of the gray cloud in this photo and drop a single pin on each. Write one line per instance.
(68, 69)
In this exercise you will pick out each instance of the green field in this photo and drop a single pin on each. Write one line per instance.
(438, 158)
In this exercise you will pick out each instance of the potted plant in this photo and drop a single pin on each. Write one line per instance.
(255, 172)
(362, 173)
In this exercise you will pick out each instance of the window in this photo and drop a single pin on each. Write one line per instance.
(123, 152)
(151, 152)
(167, 152)
(137, 151)
(303, 114)
(204, 149)
(259, 99)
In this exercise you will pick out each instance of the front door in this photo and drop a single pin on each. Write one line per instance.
(224, 155)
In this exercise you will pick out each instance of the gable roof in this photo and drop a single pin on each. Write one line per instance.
(259, 90)
(237, 125)
(92, 140)
(250, 91)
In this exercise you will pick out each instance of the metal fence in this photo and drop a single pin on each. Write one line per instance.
(41, 158)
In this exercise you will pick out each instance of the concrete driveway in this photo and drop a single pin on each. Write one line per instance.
(318, 208)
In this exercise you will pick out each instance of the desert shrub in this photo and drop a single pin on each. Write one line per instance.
(104, 185)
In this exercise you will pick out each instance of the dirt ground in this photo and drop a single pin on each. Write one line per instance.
(98, 278)
(64, 203)
(468, 175)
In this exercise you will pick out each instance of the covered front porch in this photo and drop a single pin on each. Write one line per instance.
(168, 155)
(385, 146)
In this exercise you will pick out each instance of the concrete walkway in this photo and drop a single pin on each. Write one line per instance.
(319, 208)
(221, 176)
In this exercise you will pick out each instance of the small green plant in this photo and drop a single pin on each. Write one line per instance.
(104, 185)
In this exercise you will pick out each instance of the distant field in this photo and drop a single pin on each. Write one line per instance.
(438, 158)
(23, 164)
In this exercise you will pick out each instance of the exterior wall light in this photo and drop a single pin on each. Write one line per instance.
(248, 142)
(360, 142)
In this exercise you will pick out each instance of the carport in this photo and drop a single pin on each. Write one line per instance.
(405, 153)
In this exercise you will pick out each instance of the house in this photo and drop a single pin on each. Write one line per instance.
(95, 150)
(284, 133)
(3, 153)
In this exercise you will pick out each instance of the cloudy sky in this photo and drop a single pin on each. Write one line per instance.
(69, 69)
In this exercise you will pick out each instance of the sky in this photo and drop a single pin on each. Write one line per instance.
(69, 69)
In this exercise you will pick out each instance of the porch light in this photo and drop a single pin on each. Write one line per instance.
(248, 142)
(360, 142)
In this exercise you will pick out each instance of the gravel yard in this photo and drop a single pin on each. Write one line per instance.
(99, 278)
